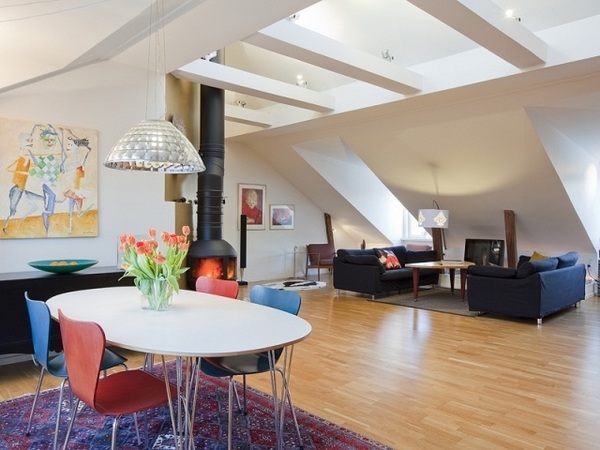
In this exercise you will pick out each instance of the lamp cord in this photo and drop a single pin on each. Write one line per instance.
(156, 35)
(590, 274)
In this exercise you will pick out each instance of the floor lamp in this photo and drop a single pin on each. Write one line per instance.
(437, 220)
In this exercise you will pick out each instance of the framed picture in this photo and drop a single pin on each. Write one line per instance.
(251, 203)
(49, 181)
(282, 217)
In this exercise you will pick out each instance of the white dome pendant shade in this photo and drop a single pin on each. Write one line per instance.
(155, 146)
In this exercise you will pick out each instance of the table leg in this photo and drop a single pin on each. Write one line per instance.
(172, 412)
(463, 282)
(187, 380)
(279, 405)
(415, 275)
(451, 281)
(276, 406)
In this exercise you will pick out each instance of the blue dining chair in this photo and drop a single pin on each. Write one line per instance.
(230, 366)
(40, 320)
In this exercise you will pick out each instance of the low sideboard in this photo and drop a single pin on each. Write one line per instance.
(15, 332)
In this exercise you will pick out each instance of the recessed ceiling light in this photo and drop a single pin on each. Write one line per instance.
(510, 14)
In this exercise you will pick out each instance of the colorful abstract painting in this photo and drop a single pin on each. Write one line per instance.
(48, 181)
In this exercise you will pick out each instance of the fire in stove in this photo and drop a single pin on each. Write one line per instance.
(218, 267)
(214, 258)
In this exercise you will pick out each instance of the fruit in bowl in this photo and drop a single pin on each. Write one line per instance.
(62, 265)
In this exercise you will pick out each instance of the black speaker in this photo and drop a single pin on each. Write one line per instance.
(243, 227)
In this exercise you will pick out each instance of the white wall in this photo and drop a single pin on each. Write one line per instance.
(270, 253)
(111, 98)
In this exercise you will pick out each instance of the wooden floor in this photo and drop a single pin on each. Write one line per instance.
(415, 379)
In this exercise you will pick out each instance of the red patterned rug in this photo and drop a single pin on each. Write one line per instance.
(255, 431)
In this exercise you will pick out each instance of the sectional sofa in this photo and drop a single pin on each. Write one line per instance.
(379, 272)
(535, 289)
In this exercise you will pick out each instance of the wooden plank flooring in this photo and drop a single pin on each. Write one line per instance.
(416, 379)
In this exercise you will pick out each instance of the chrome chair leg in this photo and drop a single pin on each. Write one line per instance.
(137, 428)
(238, 398)
(58, 410)
(230, 415)
(113, 442)
(72, 421)
(35, 398)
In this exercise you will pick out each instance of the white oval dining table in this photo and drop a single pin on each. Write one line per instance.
(195, 324)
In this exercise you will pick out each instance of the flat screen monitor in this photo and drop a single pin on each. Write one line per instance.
(486, 252)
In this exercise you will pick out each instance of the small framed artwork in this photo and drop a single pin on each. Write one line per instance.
(282, 217)
(251, 203)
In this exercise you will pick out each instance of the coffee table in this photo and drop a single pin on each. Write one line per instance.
(450, 265)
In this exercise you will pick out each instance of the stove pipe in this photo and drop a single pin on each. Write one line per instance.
(209, 243)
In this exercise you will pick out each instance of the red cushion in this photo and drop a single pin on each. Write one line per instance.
(388, 258)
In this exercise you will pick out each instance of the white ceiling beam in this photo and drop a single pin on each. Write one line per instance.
(287, 38)
(231, 79)
(248, 116)
(485, 23)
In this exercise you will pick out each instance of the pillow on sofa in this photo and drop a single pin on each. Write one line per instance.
(531, 267)
(492, 271)
(567, 260)
(537, 257)
(387, 258)
(523, 259)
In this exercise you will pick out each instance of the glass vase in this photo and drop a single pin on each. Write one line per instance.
(157, 293)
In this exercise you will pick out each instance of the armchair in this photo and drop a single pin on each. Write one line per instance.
(319, 256)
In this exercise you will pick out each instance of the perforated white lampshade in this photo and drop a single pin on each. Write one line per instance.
(433, 218)
(155, 146)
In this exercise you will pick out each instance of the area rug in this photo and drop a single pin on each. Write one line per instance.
(255, 431)
(433, 299)
(296, 285)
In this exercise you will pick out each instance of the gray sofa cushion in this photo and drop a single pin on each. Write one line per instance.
(530, 267)
(492, 271)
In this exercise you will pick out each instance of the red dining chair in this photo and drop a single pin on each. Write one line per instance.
(40, 320)
(116, 394)
(217, 286)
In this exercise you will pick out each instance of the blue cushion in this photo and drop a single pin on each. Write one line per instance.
(530, 267)
(523, 259)
(396, 274)
(567, 260)
(420, 256)
(369, 260)
(492, 271)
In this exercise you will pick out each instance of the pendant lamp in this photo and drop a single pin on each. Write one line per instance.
(155, 145)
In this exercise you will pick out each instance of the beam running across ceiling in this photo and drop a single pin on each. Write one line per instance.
(248, 116)
(231, 79)
(484, 22)
(287, 38)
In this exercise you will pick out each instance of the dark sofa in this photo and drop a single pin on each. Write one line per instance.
(533, 290)
(361, 270)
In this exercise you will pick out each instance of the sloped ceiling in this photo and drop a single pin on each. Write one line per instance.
(444, 117)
